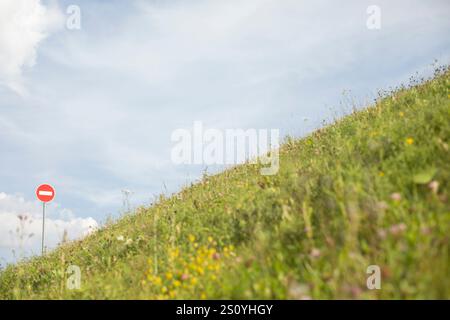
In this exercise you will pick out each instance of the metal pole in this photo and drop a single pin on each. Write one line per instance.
(43, 226)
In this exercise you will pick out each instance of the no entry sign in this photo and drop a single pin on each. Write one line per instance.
(45, 193)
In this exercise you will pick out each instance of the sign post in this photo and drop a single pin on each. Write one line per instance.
(44, 193)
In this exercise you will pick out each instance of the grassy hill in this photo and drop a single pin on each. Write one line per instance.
(370, 189)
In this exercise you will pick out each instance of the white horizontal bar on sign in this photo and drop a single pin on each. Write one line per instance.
(45, 193)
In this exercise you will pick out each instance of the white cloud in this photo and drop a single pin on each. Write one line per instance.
(21, 225)
(23, 25)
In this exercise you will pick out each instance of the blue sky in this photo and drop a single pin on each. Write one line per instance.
(91, 111)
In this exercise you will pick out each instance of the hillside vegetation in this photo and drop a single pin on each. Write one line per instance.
(370, 189)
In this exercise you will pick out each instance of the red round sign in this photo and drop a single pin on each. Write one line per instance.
(45, 193)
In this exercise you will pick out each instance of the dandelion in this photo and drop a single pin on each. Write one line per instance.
(401, 114)
(169, 276)
(157, 281)
(381, 174)
(200, 270)
(409, 141)
(191, 238)
(174, 253)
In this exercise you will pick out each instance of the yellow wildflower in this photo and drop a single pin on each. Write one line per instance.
(174, 253)
(410, 141)
(155, 280)
(200, 270)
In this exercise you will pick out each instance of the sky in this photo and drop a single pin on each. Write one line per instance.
(91, 110)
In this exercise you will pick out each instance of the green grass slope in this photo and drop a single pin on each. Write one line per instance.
(370, 189)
